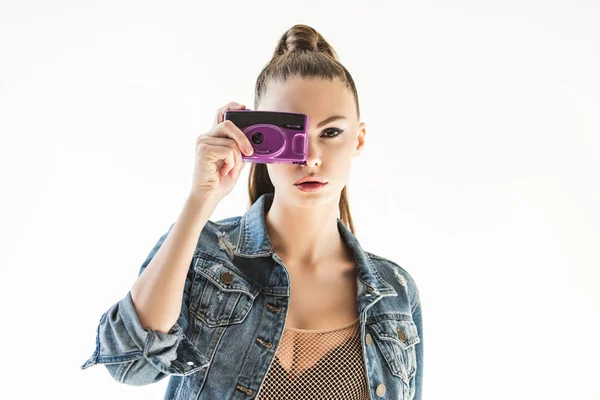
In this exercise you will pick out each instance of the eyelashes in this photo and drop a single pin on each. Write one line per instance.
(335, 130)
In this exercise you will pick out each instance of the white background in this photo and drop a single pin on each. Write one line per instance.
(479, 175)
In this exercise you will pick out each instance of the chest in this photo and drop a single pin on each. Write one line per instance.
(322, 300)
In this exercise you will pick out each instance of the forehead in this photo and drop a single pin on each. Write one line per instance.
(315, 97)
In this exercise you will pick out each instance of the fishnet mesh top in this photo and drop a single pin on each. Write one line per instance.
(317, 364)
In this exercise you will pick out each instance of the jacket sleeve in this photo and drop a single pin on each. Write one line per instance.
(137, 356)
(418, 320)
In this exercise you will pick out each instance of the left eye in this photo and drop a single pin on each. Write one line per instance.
(334, 130)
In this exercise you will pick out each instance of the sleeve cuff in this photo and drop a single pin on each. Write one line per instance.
(121, 338)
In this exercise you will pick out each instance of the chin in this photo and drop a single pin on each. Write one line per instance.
(317, 198)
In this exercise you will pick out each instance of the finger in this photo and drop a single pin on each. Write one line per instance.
(240, 137)
(239, 163)
(225, 154)
(230, 130)
(220, 114)
(222, 141)
(229, 162)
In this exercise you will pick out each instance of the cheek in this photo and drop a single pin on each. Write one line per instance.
(344, 161)
(341, 157)
(278, 172)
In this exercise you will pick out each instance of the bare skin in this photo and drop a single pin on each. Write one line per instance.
(302, 226)
(321, 302)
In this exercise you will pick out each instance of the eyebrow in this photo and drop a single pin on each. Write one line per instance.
(330, 119)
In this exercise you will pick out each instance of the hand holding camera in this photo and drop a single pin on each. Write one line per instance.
(240, 135)
(218, 158)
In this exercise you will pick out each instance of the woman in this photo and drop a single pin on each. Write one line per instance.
(281, 302)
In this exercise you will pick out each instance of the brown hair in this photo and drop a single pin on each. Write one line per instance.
(301, 51)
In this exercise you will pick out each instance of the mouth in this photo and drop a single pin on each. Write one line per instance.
(309, 186)
(310, 179)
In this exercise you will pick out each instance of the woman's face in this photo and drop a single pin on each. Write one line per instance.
(331, 146)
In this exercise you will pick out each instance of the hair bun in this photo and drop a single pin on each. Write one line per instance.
(303, 38)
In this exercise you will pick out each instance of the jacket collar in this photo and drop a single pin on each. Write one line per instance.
(253, 240)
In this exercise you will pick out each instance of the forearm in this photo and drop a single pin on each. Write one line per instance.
(157, 292)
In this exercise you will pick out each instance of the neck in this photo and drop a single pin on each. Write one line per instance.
(307, 237)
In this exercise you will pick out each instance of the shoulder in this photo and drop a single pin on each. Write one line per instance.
(229, 221)
(394, 274)
(225, 225)
(218, 236)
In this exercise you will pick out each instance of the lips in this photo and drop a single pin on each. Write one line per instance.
(310, 179)
(310, 187)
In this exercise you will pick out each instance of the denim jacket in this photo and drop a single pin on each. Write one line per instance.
(233, 313)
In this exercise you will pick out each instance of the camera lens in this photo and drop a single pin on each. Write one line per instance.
(257, 138)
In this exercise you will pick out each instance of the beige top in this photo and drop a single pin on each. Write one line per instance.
(317, 364)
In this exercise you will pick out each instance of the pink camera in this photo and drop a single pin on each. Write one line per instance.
(277, 137)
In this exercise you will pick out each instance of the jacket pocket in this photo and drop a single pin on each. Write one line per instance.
(220, 294)
(396, 337)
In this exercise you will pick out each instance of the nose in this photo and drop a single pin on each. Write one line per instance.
(313, 156)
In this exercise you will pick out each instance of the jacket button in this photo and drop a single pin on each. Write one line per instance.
(227, 277)
(401, 334)
(369, 339)
(370, 289)
(380, 390)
